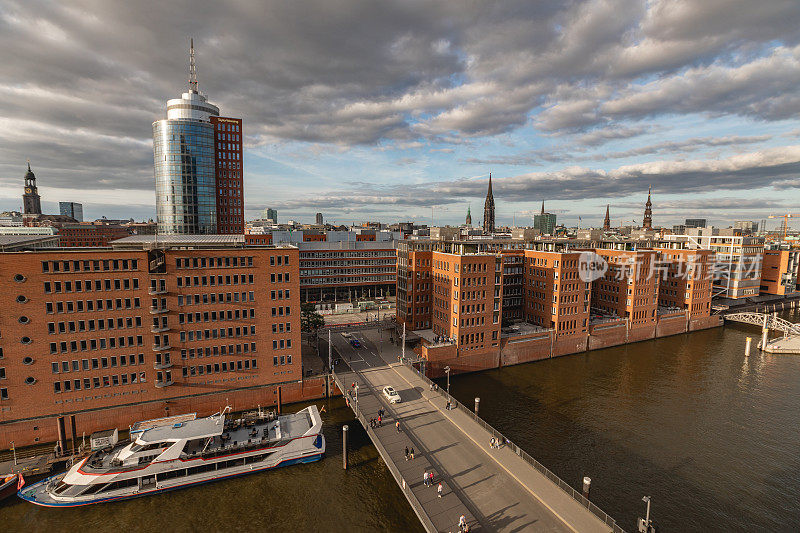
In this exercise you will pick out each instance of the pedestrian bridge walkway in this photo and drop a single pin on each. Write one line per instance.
(495, 489)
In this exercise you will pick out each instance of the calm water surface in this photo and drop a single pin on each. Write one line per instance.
(712, 436)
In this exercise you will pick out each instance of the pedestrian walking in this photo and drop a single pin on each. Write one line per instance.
(430, 479)
(462, 522)
(406, 453)
(397, 425)
(425, 478)
(411, 453)
(439, 489)
(380, 421)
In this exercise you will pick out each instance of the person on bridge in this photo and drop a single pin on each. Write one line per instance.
(462, 522)
(411, 453)
(406, 453)
(380, 421)
(425, 478)
(397, 425)
(439, 489)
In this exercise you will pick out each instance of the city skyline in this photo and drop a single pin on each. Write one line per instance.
(416, 112)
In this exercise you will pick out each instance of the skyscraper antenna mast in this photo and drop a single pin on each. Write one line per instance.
(192, 68)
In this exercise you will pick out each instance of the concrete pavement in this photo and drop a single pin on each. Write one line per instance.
(494, 488)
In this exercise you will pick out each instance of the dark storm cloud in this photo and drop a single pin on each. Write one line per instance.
(775, 167)
(96, 73)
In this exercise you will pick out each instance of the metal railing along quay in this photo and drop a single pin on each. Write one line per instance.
(405, 487)
(563, 485)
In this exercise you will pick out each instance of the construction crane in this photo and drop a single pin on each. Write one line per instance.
(785, 218)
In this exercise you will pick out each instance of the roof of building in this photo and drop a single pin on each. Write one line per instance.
(11, 243)
(196, 241)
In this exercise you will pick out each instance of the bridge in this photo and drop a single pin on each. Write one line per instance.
(772, 322)
(495, 489)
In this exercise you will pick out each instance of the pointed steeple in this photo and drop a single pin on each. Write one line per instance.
(647, 221)
(607, 221)
(469, 216)
(543, 207)
(488, 209)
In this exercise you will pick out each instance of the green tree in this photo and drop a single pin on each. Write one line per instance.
(310, 319)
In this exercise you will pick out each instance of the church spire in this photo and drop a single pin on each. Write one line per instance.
(647, 222)
(488, 210)
(543, 207)
(469, 216)
(607, 221)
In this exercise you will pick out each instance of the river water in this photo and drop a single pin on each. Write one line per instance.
(711, 435)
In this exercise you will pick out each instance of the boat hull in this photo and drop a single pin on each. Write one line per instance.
(8, 488)
(28, 493)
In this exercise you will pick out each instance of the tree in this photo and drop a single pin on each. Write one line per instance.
(310, 319)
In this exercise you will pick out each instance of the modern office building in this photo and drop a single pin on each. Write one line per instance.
(229, 177)
(779, 272)
(319, 220)
(746, 226)
(71, 209)
(695, 223)
(737, 258)
(147, 328)
(545, 222)
(271, 214)
(198, 167)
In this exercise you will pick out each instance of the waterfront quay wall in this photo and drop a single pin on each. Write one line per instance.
(37, 430)
(518, 349)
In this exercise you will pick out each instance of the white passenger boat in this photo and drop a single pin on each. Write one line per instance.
(181, 451)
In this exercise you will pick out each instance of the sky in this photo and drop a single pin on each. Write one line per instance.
(399, 110)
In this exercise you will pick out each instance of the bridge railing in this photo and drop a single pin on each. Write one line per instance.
(563, 485)
(405, 487)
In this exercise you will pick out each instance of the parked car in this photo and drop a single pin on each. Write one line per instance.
(356, 343)
(391, 395)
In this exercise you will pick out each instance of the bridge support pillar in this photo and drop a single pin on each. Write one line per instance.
(764, 333)
(477, 405)
(747, 344)
(344, 446)
(587, 485)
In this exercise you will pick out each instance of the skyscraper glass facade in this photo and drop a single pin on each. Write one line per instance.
(186, 194)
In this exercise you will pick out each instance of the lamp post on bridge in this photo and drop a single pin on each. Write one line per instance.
(645, 525)
(447, 371)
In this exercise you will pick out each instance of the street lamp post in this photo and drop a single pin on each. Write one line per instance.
(447, 371)
(14, 450)
(644, 525)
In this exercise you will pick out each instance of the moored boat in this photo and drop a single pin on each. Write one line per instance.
(8, 485)
(181, 451)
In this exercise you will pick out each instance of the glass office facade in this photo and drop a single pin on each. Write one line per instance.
(186, 193)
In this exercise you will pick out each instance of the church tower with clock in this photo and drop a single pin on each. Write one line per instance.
(31, 203)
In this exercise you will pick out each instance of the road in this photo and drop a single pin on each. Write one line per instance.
(491, 487)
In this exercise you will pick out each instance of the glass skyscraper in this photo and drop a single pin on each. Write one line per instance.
(183, 153)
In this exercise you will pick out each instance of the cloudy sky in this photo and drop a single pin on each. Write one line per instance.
(399, 110)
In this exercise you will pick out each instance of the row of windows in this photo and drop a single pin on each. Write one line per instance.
(213, 316)
(281, 311)
(221, 333)
(279, 295)
(88, 285)
(281, 360)
(224, 366)
(205, 281)
(90, 266)
(222, 297)
(93, 305)
(213, 262)
(98, 382)
(95, 344)
(89, 325)
(97, 362)
(212, 351)
(279, 277)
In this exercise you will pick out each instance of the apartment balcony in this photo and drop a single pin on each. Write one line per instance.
(161, 347)
(153, 291)
(158, 310)
(162, 384)
(162, 365)
(159, 329)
